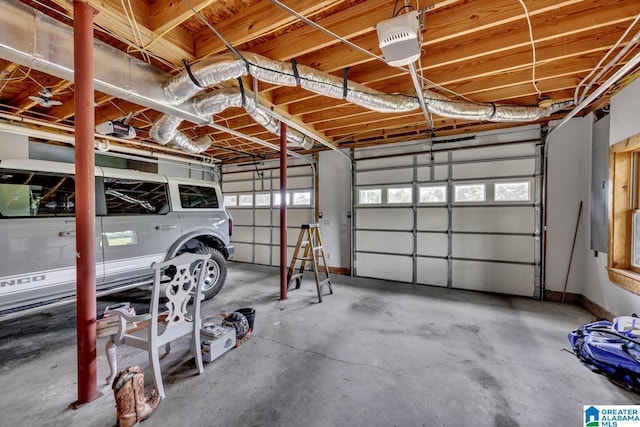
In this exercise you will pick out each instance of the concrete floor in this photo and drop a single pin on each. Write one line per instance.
(375, 353)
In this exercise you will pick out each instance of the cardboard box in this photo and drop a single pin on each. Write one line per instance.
(212, 348)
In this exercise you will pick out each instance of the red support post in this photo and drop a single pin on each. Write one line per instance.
(283, 211)
(85, 203)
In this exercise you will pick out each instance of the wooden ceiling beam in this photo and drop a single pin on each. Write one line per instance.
(252, 23)
(597, 34)
(165, 15)
(489, 67)
(173, 46)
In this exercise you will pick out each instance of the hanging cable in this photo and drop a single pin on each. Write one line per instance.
(533, 49)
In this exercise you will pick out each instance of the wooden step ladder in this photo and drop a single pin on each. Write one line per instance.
(309, 249)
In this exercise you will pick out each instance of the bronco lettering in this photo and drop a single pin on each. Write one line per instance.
(22, 280)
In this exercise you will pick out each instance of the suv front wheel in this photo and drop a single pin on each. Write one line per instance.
(216, 271)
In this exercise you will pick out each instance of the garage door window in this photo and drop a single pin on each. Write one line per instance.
(399, 195)
(511, 192)
(231, 200)
(263, 199)
(245, 200)
(370, 196)
(302, 198)
(469, 193)
(437, 194)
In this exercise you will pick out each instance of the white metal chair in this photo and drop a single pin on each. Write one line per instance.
(164, 326)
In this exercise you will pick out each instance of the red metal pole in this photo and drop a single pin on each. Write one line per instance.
(283, 211)
(85, 202)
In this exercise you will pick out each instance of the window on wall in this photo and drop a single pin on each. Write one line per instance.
(399, 195)
(370, 196)
(623, 258)
(433, 194)
(469, 193)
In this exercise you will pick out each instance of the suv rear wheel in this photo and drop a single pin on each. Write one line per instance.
(216, 271)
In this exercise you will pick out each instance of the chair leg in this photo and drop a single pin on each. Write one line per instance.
(154, 362)
(195, 344)
(110, 349)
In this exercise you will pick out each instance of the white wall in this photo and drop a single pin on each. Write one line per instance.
(568, 183)
(13, 146)
(569, 180)
(335, 204)
(597, 287)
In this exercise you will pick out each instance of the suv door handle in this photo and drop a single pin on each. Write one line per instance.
(166, 227)
(68, 233)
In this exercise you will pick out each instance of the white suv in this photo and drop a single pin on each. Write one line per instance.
(140, 218)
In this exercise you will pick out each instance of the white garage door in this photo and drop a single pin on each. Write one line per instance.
(253, 199)
(465, 218)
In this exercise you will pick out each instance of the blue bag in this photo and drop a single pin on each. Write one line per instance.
(608, 351)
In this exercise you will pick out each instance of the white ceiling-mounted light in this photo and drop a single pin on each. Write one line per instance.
(399, 38)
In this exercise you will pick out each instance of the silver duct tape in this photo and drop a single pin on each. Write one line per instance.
(218, 101)
(270, 71)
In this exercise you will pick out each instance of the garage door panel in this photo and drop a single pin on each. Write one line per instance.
(275, 254)
(262, 235)
(242, 233)
(244, 252)
(387, 267)
(514, 279)
(237, 186)
(263, 216)
(295, 217)
(262, 254)
(494, 219)
(384, 177)
(493, 247)
(440, 173)
(497, 151)
(433, 244)
(432, 271)
(433, 219)
(385, 218)
(293, 183)
(242, 216)
(493, 169)
(388, 242)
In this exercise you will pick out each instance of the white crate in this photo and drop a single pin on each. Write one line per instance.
(214, 348)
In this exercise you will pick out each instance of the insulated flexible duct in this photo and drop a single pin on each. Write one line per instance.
(165, 130)
(228, 66)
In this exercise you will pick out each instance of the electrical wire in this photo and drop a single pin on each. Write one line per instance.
(135, 30)
(577, 99)
(533, 49)
(364, 51)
